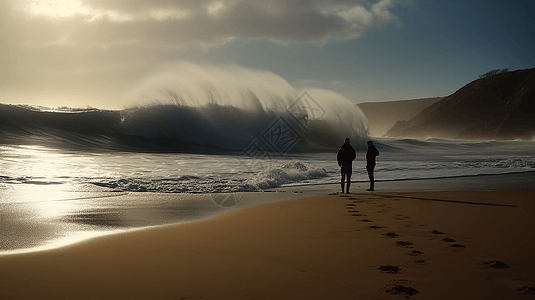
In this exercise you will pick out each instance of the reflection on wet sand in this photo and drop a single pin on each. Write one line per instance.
(34, 216)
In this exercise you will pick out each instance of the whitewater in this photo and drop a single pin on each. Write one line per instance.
(237, 172)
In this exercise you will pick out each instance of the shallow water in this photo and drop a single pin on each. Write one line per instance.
(237, 172)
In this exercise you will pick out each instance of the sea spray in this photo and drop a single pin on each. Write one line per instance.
(286, 173)
(230, 107)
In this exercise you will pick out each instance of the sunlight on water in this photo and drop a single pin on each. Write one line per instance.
(66, 240)
(55, 208)
(43, 163)
(43, 202)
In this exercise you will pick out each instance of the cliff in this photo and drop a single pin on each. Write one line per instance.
(500, 107)
(383, 115)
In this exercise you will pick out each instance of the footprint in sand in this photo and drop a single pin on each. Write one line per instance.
(398, 289)
(375, 227)
(358, 215)
(448, 240)
(391, 234)
(390, 269)
(420, 261)
(457, 246)
(436, 232)
(416, 253)
(352, 211)
(404, 244)
(350, 205)
(496, 264)
(366, 220)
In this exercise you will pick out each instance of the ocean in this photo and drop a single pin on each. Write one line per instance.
(198, 151)
(168, 152)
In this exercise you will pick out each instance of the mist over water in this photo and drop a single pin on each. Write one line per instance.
(229, 107)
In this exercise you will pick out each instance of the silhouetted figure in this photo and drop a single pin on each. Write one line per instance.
(370, 163)
(346, 155)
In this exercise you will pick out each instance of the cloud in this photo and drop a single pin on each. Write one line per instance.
(103, 46)
(204, 22)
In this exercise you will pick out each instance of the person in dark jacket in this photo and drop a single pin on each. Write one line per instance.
(346, 155)
(370, 163)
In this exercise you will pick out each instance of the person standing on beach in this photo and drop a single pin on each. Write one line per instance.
(370, 163)
(346, 155)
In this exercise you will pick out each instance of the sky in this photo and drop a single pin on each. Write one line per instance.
(79, 53)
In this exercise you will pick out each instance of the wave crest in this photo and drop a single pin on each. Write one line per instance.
(232, 107)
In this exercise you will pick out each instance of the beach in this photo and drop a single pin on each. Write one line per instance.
(193, 150)
(459, 244)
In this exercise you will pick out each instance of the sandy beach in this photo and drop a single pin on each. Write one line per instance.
(421, 245)
(163, 150)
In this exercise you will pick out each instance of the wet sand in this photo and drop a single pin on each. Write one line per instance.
(382, 245)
